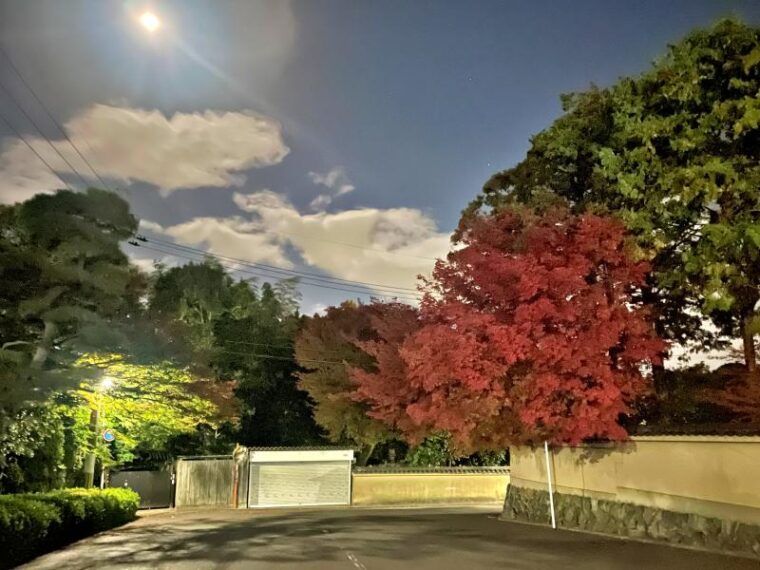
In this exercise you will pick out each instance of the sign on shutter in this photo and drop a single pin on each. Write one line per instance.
(300, 484)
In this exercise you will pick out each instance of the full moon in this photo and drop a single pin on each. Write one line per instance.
(150, 21)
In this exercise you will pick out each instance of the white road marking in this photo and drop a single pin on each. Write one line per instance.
(350, 555)
(355, 561)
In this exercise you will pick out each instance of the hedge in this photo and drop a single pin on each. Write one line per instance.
(34, 523)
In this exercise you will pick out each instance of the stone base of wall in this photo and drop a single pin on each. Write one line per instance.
(624, 519)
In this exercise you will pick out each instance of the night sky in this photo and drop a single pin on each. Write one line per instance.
(339, 138)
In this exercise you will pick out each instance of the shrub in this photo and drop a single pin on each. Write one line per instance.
(34, 523)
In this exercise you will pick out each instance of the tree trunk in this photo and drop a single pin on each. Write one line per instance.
(365, 454)
(748, 337)
(46, 342)
(89, 460)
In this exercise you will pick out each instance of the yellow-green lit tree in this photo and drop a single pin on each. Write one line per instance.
(146, 405)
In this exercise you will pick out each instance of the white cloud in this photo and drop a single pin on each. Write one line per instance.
(336, 181)
(22, 174)
(389, 246)
(233, 237)
(146, 264)
(320, 202)
(386, 246)
(186, 150)
(316, 309)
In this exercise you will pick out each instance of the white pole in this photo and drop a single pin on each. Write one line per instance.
(549, 480)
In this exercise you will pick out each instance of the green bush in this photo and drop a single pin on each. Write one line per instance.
(34, 523)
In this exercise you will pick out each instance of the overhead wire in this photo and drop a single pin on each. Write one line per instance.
(259, 273)
(15, 101)
(363, 286)
(30, 147)
(357, 246)
(281, 269)
(281, 346)
(276, 357)
(60, 128)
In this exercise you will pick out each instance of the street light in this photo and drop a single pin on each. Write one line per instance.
(105, 384)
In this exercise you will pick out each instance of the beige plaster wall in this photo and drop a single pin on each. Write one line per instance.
(710, 476)
(429, 488)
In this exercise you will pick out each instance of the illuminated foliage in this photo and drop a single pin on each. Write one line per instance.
(146, 405)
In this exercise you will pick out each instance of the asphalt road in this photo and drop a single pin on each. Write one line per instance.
(364, 540)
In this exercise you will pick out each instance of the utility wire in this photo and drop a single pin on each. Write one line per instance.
(276, 357)
(42, 135)
(81, 155)
(234, 267)
(84, 159)
(357, 289)
(281, 269)
(357, 246)
(30, 147)
(283, 347)
(283, 234)
(51, 117)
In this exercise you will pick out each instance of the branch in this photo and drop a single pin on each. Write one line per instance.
(14, 343)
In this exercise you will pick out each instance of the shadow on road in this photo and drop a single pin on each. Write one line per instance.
(380, 539)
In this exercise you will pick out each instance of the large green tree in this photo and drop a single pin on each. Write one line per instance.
(186, 301)
(65, 287)
(237, 331)
(675, 153)
(255, 348)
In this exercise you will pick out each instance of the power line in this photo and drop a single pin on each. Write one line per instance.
(281, 269)
(84, 159)
(42, 135)
(281, 346)
(51, 117)
(357, 289)
(234, 267)
(289, 272)
(276, 357)
(356, 246)
(30, 147)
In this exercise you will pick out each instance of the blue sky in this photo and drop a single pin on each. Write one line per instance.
(335, 137)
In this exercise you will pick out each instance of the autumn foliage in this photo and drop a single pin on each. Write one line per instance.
(386, 387)
(739, 393)
(326, 347)
(531, 330)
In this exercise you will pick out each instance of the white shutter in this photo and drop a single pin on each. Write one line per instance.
(293, 484)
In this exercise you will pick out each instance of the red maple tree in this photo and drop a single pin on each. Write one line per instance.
(385, 387)
(739, 393)
(326, 349)
(530, 331)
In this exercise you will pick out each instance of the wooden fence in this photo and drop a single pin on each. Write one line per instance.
(204, 481)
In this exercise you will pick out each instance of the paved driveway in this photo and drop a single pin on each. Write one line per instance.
(364, 540)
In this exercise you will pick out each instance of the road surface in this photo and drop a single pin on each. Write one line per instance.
(364, 540)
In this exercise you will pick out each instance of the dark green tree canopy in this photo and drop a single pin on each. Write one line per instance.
(234, 330)
(65, 285)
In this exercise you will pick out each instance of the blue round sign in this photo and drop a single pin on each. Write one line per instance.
(108, 436)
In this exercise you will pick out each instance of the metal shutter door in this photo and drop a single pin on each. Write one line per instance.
(308, 483)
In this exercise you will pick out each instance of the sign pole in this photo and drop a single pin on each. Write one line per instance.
(549, 480)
